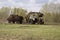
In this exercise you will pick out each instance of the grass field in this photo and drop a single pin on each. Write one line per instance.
(29, 32)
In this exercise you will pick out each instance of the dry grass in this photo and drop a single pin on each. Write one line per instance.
(29, 32)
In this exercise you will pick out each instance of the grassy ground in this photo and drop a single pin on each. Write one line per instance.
(29, 32)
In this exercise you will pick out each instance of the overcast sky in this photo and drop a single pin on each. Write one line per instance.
(30, 5)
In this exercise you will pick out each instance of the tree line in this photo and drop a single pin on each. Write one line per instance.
(51, 12)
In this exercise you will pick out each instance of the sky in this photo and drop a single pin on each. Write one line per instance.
(30, 5)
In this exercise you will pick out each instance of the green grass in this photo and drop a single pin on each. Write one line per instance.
(29, 32)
